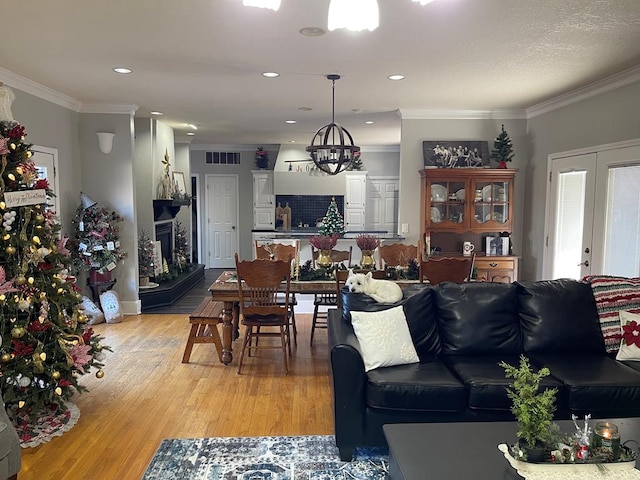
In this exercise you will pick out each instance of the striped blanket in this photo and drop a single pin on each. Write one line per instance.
(612, 295)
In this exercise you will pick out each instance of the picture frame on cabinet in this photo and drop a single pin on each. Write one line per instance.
(496, 246)
(456, 154)
(178, 180)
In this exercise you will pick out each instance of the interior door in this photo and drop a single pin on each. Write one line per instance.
(222, 220)
(382, 204)
(570, 225)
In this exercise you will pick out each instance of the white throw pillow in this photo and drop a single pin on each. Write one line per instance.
(630, 344)
(384, 338)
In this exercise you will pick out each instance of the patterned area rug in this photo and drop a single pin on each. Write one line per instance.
(263, 458)
(50, 423)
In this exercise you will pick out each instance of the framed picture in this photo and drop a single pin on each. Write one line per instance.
(178, 180)
(456, 154)
(497, 246)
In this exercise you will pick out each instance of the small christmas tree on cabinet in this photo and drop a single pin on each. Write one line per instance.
(45, 346)
(356, 163)
(332, 222)
(502, 149)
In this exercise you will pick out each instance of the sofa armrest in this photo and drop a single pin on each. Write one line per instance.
(348, 382)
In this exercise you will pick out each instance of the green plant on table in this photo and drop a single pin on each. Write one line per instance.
(532, 408)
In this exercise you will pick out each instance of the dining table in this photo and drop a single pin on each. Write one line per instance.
(225, 289)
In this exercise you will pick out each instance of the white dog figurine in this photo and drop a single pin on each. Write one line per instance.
(382, 291)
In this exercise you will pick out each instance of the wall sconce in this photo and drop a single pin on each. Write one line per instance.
(105, 141)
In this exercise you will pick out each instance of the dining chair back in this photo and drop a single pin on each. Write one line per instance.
(261, 309)
(341, 278)
(282, 251)
(323, 301)
(395, 254)
(446, 269)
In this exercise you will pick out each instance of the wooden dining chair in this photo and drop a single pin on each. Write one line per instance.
(396, 254)
(446, 269)
(282, 251)
(259, 282)
(341, 278)
(323, 301)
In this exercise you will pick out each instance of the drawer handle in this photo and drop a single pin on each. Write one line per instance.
(493, 265)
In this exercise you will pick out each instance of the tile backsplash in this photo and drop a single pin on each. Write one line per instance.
(306, 209)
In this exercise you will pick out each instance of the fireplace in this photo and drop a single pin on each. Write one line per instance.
(164, 235)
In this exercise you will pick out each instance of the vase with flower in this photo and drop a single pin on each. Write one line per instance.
(324, 244)
(367, 244)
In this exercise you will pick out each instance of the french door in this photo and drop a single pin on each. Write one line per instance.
(593, 213)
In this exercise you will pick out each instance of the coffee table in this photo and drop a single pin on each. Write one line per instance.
(465, 450)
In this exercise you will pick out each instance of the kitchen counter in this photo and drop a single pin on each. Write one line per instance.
(311, 231)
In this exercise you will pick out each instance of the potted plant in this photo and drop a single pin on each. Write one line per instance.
(145, 258)
(324, 243)
(532, 408)
(502, 149)
(367, 243)
(262, 158)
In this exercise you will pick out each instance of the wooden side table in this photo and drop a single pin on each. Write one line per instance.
(100, 287)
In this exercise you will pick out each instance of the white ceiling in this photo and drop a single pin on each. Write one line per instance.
(199, 61)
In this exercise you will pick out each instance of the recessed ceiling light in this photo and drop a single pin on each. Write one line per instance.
(270, 74)
(290, 121)
(292, 141)
(190, 133)
(123, 70)
(305, 109)
(312, 31)
(369, 122)
(395, 77)
(192, 126)
(156, 113)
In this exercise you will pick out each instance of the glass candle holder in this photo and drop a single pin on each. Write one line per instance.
(606, 439)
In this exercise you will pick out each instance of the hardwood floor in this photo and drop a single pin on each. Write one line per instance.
(147, 395)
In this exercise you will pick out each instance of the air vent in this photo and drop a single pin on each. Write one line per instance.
(222, 158)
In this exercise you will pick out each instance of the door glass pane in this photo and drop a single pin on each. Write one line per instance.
(622, 225)
(569, 224)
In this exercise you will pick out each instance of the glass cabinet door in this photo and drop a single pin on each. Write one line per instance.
(447, 200)
(491, 203)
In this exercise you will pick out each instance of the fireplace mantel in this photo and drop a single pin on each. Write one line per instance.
(167, 209)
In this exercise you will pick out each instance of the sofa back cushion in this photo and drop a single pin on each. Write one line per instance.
(478, 318)
(419, 309)
(559, 316)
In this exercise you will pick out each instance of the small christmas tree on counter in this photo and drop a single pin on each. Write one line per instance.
(502, 149)
(332, 221)
(45, 345)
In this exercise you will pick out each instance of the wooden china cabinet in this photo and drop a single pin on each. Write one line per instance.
(470, 205)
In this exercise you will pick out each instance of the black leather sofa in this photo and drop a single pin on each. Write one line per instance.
(461, 332)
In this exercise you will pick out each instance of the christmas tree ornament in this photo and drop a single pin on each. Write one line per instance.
(99, 374)
(18, 332)
(10, 250)
(21, 404)
(5, 357)
(24, 382)
(58, 391)
(55, 375)
(21, 280)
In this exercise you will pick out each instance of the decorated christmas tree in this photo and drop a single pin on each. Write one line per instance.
(502, 149)
(96, 244)
(145, 255)
(332, 222)
(46, 346)
(181, 245)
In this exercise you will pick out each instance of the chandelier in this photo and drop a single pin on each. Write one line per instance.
(332, 149)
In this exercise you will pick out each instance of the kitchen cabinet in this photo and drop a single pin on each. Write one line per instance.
(355, 200)
(264, 213)
(469, 204)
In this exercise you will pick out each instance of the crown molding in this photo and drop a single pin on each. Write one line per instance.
(618, 80)
(218, 147)
(442, 114)
(126, 109)
(38, 90)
